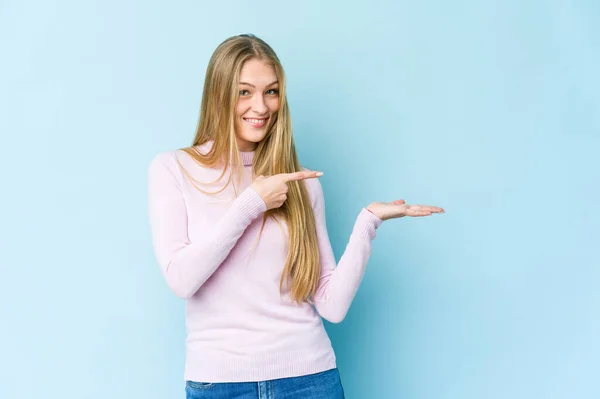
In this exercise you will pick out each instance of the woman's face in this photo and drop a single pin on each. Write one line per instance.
(257, 104)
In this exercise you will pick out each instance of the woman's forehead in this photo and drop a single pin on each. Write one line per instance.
(258, 73)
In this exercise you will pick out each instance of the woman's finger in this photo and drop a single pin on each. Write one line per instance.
(435, 209)
(416, 212)
(426, 208)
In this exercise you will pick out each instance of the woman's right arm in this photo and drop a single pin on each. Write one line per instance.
(186, 265)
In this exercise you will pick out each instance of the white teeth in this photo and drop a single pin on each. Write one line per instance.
(255, 121)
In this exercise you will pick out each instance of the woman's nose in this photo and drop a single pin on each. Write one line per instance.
(259, 106)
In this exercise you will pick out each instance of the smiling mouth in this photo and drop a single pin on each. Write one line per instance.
(256, 122)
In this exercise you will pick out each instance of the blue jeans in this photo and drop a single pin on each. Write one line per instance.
(324, 385)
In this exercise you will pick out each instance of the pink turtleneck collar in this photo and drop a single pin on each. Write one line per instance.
(247, 157)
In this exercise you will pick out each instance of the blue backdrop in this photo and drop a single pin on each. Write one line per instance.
(487, 109)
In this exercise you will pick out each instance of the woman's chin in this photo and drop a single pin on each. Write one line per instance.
(249, 142)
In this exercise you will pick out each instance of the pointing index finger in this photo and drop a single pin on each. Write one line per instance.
(307, 174)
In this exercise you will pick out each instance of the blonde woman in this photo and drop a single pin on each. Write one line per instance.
(238, 230)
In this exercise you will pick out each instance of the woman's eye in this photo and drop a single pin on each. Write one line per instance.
(273, 91)
(244, 92)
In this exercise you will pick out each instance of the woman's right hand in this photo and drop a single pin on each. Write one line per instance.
(273, 189)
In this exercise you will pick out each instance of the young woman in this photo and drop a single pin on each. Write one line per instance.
(238, 229)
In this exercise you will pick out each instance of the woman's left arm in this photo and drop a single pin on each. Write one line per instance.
(338, 285)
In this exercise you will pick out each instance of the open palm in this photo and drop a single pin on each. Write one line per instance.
(399, 208)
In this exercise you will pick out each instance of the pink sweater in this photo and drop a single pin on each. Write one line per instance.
(239, 328)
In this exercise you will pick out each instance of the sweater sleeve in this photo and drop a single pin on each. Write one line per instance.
(338, 285)
(187, 265)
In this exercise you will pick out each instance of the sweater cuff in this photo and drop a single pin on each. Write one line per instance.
(366, 224)
(250, 204)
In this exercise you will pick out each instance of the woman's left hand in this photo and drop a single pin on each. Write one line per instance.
(398, 209)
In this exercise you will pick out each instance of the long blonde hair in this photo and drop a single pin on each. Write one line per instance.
(276, 153)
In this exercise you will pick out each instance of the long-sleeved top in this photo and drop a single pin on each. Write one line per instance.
(239, 327)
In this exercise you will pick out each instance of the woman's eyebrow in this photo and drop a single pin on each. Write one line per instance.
(251, 85)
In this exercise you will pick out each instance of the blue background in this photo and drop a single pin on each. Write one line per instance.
(488, 109)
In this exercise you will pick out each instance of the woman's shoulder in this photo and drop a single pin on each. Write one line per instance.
(166, 159)
(175, 161)
(162, 159)
(180, 155)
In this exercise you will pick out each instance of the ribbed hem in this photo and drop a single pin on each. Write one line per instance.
(250, 204)
(218, 367)
(366, 224)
